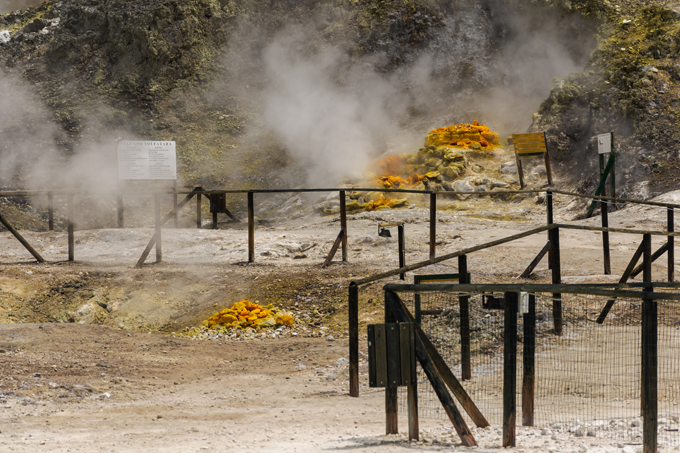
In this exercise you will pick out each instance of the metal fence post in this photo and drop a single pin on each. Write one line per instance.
(604, 209)
(529, 352)
(251, 228)
(343, 224)
(671, 245)
(464, 309)
(556, 278)
(391, 402)
(649, 395)
(353, 312)
(510, 370)
(433, 224)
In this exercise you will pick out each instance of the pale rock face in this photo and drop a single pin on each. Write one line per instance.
(5, 37)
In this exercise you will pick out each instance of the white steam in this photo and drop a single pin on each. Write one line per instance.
(329, 125)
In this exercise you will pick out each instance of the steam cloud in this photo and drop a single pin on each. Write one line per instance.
(7, 6)
(335, 114)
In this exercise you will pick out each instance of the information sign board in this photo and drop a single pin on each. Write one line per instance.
(147, 160)
(604, 143)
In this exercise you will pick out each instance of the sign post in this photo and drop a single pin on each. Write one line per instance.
(147, 160)
(605, 146)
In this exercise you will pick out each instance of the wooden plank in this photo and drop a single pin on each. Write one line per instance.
(412, 390)
(21, 239)
(334, 249)
(393, 355)
(449, 256)
(165, 219)
(624, 278)
(444, 396)
(464, 311)
(530, 268)
(509, 370)
(403, 315)
(353, 330)
(402, 249)
(391, 396)
(405, 353)
(548, 168)
(433, 225)
(615, 230)
(655, 256)
(372, 354)
(528, 136)
(529, 155)
(199, 220)
(380, 356)
(528, 361)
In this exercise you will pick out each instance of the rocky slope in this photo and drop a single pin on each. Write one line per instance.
(220, 78)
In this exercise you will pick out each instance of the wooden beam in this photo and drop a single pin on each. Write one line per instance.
(671, 245)
(70, 228)
(530, 268)
(21, 239)
(251, 228)
(163, 221)
(649, 367)
(604, 208)
(556, 279)
(391, 395)
(157, 221)
(433, 225)
(334, 249)
(655, 256)
(600, 187)
(403, 315)
(449, 256)
(343, 224)
(50, 211)
(624, 278)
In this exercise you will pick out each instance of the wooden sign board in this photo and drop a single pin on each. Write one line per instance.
(391, 355)
(147, 160)
(604, 143)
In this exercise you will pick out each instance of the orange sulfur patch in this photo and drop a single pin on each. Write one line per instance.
(463, 136)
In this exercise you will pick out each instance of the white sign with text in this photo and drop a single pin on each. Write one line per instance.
(147, 160)
(604, 143)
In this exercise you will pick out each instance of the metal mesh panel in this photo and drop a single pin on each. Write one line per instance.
(591, 374)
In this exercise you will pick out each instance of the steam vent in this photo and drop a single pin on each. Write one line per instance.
(441, 161)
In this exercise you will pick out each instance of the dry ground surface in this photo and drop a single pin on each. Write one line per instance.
(116, 378)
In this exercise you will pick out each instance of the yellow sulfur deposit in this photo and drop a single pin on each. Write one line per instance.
(473, 136)
(247, 314)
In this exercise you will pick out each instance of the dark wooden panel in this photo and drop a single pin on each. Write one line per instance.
(405, 352)
(380, 356)
(370, 333)
(393, 355)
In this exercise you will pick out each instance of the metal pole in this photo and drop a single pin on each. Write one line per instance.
(604, 208)
(433, 224)
(157, 218)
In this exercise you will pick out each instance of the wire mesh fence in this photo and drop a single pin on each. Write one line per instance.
(587, 379)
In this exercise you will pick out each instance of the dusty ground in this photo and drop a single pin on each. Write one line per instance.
(101, 383)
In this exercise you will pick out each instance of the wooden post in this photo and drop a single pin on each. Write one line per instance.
(391, 403)
(649, 359)
(412, 389)
(251, 228)
(199, 221)
(50, 211)
(671, 246)
(174, 204)
(556, 279)
(214, 220)
(69, 228)
(334, 249)
(529, 352)
(549, 221)
(343, 225)
(157, 221)
(353, 312)
(464, 308)
(121, 211)
(402, 249)
(604, 208)
(509, 369)
(433, 224)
